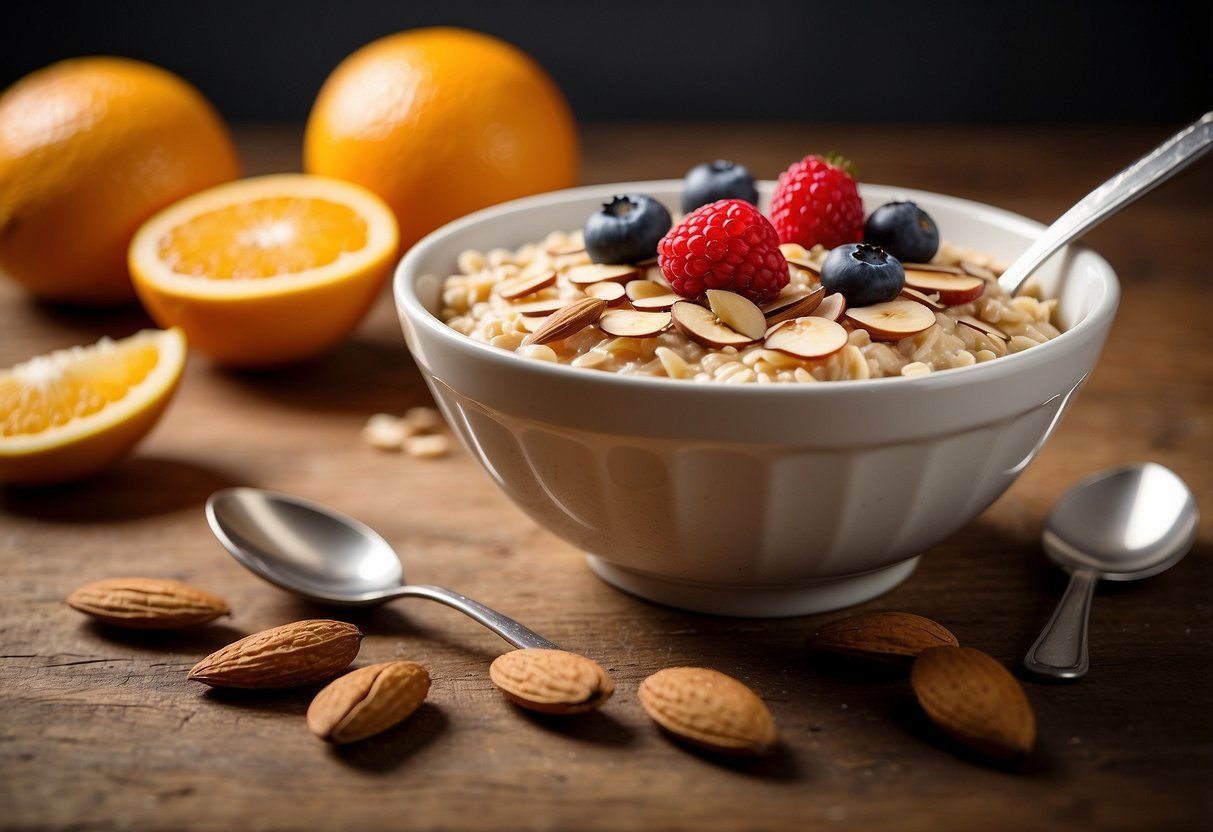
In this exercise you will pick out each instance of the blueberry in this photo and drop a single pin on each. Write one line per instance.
(626, 229)
(903, 230)
(710, 181)
(864, 274)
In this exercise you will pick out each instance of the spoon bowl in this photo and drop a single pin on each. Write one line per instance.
(1122, 524)
(328, 557)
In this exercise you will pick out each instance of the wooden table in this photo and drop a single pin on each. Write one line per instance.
(101, 730)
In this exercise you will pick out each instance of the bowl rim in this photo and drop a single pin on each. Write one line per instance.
(409, 304)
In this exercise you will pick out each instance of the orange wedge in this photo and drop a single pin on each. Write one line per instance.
(70, 413)
(265, 271)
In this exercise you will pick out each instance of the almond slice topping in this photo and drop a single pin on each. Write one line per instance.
(808, 337)
(609, 291)
(598, 272)
(704, 327)
(568, 321)
(628, 323)
(892, 320)
(523, 285)
(794, 305)
(982, 327)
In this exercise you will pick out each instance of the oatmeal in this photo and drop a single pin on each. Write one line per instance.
(631, 326)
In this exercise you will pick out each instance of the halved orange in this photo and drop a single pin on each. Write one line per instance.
(70, 413)
(268, 270)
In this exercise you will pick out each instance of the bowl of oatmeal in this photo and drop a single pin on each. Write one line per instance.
(762, 476)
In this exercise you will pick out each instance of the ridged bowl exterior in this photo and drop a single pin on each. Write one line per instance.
(745, 490)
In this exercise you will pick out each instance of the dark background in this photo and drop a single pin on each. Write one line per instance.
(836, 61)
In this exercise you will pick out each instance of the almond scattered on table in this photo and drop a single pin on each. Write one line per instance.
(147, 603)
(368, 701)
(975, 700)
(420, 433)
(884, 636)
(551, 681)
(709, 709)
(294, 654)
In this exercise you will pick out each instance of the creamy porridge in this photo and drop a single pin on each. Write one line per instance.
(505, 297)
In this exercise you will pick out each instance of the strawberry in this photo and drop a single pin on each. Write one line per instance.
(816, 202)
(727, 244)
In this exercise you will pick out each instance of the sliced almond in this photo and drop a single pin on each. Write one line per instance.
(704, 327)
(654, 274)
(570, 320)
(657, 303)
(808, 337)
(609, 291)
(892, 320)
(794, 305)
(540, 308)
(565, 249)
(953, 289)
(532, 322)
(930, 301)
(938, 268)
(740, 313)
(599, 272)
(982, 327)
(523, 285)
(978, 271)
(805, 266)
(642, 288)
(832, 307)
(629, 323)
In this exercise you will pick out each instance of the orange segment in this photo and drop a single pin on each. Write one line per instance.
(265, 271)
(72, 412)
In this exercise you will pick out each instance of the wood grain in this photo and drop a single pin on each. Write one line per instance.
(99, 729)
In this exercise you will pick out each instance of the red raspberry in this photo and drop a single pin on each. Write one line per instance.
(815, 201)
(726, 244)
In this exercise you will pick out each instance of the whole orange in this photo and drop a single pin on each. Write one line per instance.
(440, 122)
(89, 149)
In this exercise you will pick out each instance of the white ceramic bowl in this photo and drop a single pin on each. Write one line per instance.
(751, 500)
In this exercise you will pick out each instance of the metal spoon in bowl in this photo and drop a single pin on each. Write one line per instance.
(325, 556)
(1138, 179)
(1121, 524)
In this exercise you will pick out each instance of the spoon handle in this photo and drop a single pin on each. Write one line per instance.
(502, 625)
(1156, 167)
(1061, 650)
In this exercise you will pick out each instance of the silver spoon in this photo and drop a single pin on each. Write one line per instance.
(1121, 524)
(1138, 179)
(323, 555)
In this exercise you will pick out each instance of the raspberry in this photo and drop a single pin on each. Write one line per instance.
(727, 244)
(816, 202)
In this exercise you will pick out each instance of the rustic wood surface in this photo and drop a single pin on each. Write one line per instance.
(101, 730)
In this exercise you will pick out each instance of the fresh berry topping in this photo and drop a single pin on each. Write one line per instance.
(903, 230)
(727, 244)
(626, 229)
(710, 181)
(816, 202)
(863, 274)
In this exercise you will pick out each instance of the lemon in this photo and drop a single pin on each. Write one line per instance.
(268, 270)
(72, 412)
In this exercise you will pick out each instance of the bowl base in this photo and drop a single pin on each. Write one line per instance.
(754, 602)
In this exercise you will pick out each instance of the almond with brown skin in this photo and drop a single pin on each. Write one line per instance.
(147, 603)
(884, 636)
(368, 701)
(551, 681)
(709, 709)
(569, 320)
(975, 700)
(294, 654)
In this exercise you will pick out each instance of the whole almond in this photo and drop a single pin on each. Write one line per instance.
(368, 701)
(551, 681)
(568, 320)
(709, 709)
(147, 603)
(885, 636)
(293, 654)
(975, 700)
